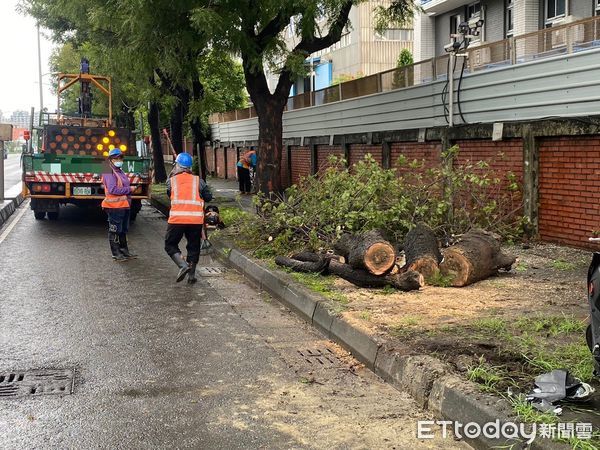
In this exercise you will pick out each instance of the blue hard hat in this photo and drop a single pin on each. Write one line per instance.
(184, 160)
(114, 153)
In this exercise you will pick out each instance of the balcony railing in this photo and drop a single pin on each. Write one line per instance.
(560, 40)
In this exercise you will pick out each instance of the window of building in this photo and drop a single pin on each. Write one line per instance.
(555, 9)
(509, 18)
(454, 23)
(394, 34)
(474, 10)
(597, 3)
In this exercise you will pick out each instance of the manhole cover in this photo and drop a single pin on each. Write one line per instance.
(320, 357)
(36, 382)
(211, 271)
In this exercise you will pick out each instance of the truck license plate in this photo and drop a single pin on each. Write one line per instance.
(82, 191)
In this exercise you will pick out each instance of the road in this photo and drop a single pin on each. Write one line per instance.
(12, 171)
(165, 365)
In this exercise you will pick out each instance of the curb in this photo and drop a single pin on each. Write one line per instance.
(8, 207)
(423, 377)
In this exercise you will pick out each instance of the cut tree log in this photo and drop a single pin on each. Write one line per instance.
(316, 265)
(407, 281)
(421, 250)
(370, 251)
(475, 257)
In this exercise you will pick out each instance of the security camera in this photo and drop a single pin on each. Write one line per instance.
(475, 23)
(452, 46)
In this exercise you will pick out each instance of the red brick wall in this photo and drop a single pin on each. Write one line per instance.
(210, 159)
(285, 179)
(323, 153)
(569, 177)
(232, 160)
(429, 152)
(502, 156)
(358, 152)
(300, 163)
(220, 162)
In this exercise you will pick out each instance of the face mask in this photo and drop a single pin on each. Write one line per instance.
(118, 164)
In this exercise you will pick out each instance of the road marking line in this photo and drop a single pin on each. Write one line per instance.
(12, 224)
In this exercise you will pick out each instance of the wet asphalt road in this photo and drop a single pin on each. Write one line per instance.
(165, 365)
(12, 171)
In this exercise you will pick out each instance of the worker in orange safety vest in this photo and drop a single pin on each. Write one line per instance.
(186, 218)
(117, 205)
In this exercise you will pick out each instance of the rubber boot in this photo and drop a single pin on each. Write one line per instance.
(183, 266)
(113, 240)
(192, 274)
(123, 247)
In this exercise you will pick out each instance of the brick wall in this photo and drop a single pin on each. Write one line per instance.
(232, 160)
(429, 152)
(210, 159)
(358, 152)
(300, 163)
(220, 162)
(569, 177)
(323, 154)
(502, 156)
(285, 179)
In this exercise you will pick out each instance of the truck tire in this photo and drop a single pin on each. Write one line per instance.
(39, 215)
(52, 215)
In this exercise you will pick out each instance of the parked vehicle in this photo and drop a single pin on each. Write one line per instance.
(593, 329)
(69, 166)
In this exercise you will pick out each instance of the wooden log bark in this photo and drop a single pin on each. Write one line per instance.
(370, 251)
(475, 257)
(317, 265)
(407, 281)
(421, 250)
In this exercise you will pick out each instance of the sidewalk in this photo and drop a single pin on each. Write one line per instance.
(226, 191)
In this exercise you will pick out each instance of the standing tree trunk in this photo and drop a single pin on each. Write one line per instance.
(196, 127)
(160, 174)
(176, 122)
(270, 145)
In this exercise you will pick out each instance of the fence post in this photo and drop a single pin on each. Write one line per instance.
(531, 151)
(340, 91)
(386, 155)
(569, 39)
(433, 70)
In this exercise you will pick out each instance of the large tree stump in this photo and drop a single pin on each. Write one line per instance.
(368, 251)
(475, 257)
(407, 281)
(421, 250)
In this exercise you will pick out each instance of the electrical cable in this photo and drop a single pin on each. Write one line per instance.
(462, 71)
(445, 92)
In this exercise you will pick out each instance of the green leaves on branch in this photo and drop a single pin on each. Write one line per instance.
(451, 200)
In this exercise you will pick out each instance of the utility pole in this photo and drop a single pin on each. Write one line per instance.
(40, 74)
(452, 57)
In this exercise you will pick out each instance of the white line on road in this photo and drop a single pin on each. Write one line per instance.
(12, 224)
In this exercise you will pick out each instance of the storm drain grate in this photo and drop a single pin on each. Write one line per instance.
(211, 271)
(320, 357)
(36, 382)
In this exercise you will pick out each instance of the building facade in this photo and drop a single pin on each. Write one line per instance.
(502, 19)
(361, 51)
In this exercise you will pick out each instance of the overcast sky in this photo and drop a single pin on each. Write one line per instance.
(18, 62)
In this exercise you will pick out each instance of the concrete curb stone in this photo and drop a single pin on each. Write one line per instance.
(8, 207)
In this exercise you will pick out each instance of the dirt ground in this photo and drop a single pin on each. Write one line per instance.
(546, 280)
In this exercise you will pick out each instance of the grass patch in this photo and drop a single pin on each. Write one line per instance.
(365, 315)
(560, 264)
(405, 326)
(553, 326)
(521, 267)
(387, 290)
(321, 285)
(528, 413)
(486, 375)
(440, 280)
(491, 325)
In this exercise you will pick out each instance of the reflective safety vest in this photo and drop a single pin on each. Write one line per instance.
(114, 201)
(187, 207)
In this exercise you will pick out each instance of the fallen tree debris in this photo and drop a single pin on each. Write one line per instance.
(421, 250)
(475, 257)
(369, 251)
